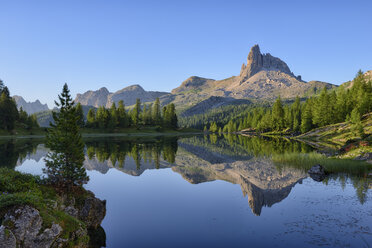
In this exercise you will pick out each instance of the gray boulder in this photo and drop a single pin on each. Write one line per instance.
(92, 212)
(7, 239)
(317, 173)
(25, 223)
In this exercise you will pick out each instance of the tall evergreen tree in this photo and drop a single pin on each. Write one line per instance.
(91, 118)
(306, 117)
(113, 119)
(122, 115)
(8, 109)
(64, 163)
(135, 113)
(80, 114)
(278, 115)
(156, 115)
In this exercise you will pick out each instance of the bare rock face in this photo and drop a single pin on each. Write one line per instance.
(93, 98)
(92, 212)
(24, 225)
(30, 107)
(257, 62)
(7, 239)
(128, 95)
(317, 173)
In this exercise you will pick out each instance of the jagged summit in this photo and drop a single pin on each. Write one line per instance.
(103, 97)
(257, 62)
(263, 77)
(30, 107)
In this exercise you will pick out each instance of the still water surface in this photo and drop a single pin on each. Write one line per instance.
(210, 191)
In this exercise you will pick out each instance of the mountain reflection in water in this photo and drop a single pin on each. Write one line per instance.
(244, 161)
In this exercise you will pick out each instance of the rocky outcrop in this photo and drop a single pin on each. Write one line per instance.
(317, 173)
(130, 94)
(263, 77)
(257, 62)
(30, 107)
(103, 97)
(93, 98)
(92, 212)
(23, 226)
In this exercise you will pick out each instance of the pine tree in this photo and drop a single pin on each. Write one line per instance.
(135, 113)
(113, 119)
(213, 128)
(64, 163)
(80, 114)
(102, 117)
(156, 115)
(296, 110)
(307, 117)
(122, 115)
(357, 126)
(91, 118)
(278, 115)
(8, 109)
(322, 109)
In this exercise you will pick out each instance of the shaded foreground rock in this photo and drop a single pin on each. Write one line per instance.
(317, 173)
(23, 226)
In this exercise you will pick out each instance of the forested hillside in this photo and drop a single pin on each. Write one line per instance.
(329, 107)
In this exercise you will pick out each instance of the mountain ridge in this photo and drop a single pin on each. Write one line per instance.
(129, 94)
(30, 107)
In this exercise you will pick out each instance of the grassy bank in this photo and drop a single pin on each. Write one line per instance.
(337, 135)
(304, 161)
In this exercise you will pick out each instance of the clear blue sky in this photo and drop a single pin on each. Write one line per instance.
(158, 44)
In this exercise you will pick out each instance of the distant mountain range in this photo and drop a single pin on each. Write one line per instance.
(30, 107)
(264, 77)
(103, 97)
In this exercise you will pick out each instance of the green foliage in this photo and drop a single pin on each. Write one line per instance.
(305, 161)
(213, 128)
(148, 116)
(278, 115)
(9, 114)
(64, 164)
(329, 107)
(170, 117)
(80, 115)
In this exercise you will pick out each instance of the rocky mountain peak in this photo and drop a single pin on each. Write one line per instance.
(257, 62)
(134, 87)
(30, 107)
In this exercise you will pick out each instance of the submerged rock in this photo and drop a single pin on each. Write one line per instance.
(317, 173)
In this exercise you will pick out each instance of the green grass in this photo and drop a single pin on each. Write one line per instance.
(336, 135)
(304, 161)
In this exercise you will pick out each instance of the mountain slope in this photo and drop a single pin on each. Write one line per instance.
(30, 107)
(103, 97)
(264, 77)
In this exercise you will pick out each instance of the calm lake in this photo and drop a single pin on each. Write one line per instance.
(212, 191)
